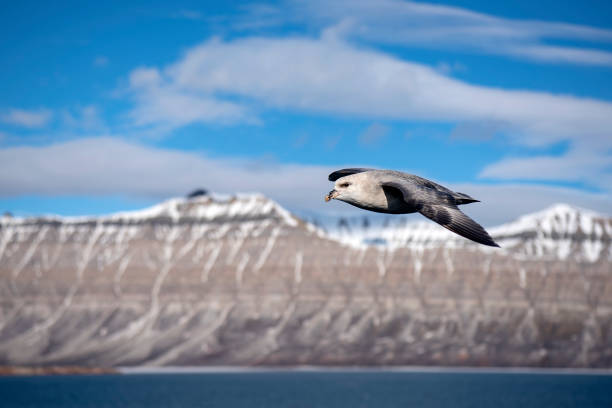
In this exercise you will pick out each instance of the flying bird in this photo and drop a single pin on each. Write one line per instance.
(394, 192)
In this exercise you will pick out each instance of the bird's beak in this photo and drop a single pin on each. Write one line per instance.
(331, 195)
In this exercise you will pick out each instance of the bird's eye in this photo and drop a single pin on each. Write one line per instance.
(345, 185)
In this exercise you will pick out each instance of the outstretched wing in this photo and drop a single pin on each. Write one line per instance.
(440, 206)
(451, 218)
(458, 198)
(345, 172)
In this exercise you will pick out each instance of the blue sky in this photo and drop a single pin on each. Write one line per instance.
(112, 107)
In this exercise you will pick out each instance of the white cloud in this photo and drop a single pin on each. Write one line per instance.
(441, 26)
(160, 103)
(27, 118)
(221, 81)
(109, 166)
(588, 167)
(446, 68)
(328, 76)
(561, 54)
(86, 118)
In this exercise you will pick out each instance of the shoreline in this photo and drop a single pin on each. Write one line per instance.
(355, 369)
(18, 371)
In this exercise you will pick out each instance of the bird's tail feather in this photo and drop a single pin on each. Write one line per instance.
(461, 198)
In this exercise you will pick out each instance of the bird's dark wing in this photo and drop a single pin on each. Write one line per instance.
(439, 206)
(451, 218)
(345, 172)
(416, 194)
(460, 198)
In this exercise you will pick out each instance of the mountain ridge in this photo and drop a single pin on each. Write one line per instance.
(556, 220)
(240, 281)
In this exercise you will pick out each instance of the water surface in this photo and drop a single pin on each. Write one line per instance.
(310, 389)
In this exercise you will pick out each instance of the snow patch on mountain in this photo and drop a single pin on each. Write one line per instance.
(559, 231)
(391, 233)
(201, 208)
(559, 219)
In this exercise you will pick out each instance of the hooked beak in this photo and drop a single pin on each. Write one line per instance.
(331, 195)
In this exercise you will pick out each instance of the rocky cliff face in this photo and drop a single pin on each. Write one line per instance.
(241, 281)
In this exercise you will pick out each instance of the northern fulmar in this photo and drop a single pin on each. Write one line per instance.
(394, 192)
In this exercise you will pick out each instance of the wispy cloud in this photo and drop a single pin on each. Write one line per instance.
(439, 26)
(188, 14)
(160, 102)
(83, 118)
(100, 61)
(333, 77)
(27, 118)
(221, 81)
(319, 75)
(446, 68)
(478, 131)
(373, 134)
(561, 54)
(586, 166)
(110, 166)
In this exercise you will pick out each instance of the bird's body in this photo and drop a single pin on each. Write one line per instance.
(395, 192)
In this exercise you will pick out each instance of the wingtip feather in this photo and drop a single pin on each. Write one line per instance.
(453, 219)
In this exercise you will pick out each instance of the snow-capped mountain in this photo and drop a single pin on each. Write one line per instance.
(239, 280)
(213, 207)
(390, 232)
(559, 232)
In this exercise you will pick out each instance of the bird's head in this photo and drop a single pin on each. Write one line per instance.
(345, 189)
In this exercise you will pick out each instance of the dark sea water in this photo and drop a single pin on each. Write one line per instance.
(345, 389)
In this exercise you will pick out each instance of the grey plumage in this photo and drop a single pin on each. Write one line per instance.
(394, 192)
